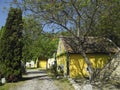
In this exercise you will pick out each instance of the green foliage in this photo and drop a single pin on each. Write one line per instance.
(31, 32)
(1, 32)
(11, 45)
(36, 42)
(46, 46)
(54, 70)
(108, 21)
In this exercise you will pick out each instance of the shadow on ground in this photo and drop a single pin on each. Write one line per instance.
(32, 74)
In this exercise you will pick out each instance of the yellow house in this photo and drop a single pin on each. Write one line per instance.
(68, 55)
(41, 63)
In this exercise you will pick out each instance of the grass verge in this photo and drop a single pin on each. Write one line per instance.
(64, 84)
(11, 86)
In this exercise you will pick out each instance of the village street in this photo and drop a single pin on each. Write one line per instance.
(37, 80)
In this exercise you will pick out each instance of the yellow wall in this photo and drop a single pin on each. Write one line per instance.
(78, 67)
(62, 61)
(42, 64)
(61, 56)
(61, 48)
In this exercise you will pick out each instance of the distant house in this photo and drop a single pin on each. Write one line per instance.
(72, 62)
(51, 62)
(41, 63)
(30, 64)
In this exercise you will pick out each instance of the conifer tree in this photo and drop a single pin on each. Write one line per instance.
(11, 46)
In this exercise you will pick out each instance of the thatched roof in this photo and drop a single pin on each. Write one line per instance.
(89, 45)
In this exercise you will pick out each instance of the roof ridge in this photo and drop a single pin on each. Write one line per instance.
(92, 45)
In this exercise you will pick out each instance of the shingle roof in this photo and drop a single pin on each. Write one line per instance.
(89, 45)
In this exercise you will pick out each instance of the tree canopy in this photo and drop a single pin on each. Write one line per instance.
(11, 45)
(37, 43)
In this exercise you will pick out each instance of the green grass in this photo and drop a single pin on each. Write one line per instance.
(64, 84)
(31, 68)
(41, 68)
(8, 86)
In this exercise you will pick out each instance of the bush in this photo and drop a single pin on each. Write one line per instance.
(54, 70)
(60, 70)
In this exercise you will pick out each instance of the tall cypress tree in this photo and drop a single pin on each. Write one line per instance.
(11, 45)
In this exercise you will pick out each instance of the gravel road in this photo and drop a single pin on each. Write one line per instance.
(37, 80)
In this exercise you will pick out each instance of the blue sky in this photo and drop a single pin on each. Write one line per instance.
(4, 12)
(4, 9)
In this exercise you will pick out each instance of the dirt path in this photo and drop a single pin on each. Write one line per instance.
(37, 80)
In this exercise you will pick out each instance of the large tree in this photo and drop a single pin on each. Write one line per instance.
(11, 45)
(69, 15)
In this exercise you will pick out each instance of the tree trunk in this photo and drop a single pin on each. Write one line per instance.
(90, 69)
(78, 31)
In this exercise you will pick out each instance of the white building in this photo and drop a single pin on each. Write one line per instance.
(30, 64)
(50, 62)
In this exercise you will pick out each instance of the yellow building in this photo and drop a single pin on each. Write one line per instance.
(41, 63)
(98, 51)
